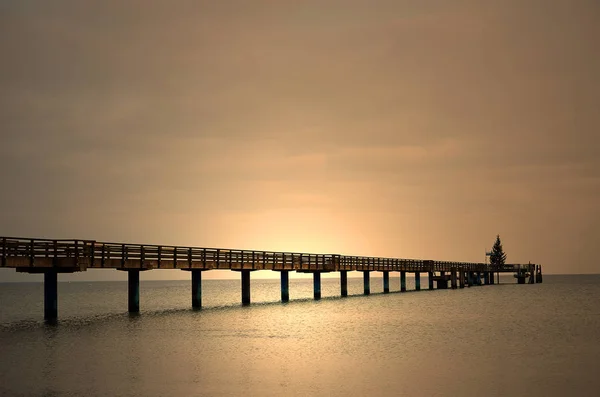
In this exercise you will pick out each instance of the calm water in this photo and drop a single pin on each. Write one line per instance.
(503, 340)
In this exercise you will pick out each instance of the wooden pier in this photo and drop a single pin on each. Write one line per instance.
(50, 257)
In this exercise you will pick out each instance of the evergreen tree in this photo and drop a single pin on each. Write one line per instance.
(497, 257)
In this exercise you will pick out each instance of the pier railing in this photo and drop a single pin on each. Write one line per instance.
(168, 257)
(32, 249)
(81, 254)
(22, 252)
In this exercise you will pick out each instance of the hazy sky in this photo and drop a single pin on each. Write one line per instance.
(404, 128)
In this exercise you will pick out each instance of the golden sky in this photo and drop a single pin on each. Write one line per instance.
(405, 128)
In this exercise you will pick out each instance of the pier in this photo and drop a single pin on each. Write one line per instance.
(51, 257)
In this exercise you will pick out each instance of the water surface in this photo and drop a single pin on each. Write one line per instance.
(502, 340)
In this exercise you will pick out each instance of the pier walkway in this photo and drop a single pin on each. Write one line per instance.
(50, 257)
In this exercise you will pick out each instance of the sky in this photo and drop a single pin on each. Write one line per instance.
(404, 128)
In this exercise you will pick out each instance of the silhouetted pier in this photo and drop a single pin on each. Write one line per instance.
(51, 257)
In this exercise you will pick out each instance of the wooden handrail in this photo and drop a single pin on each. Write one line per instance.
(90, 249)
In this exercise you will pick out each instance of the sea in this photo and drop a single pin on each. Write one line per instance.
(497, 340)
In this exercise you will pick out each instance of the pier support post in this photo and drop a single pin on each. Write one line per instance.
(317, 285)
(403, 281)
(531, 270)
(386, 282)
(133, 290)
(245, 287)
(442, 282)
(478, 278)
(50, 295)
(285, 285)
(367, 282)
(486, 278)
(430, 280)
(461, 279)
(469, 279)
(417, 281)
(453, 279)
(344, 282)
(491, 277)
(196, 288)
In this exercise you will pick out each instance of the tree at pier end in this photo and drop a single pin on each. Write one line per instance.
(498, 256)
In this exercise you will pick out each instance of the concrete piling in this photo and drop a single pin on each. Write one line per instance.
(317, 285)
(50, 295)
(386, 282)
(285, 285)
(461, 279)
(344, 282)
(531, 270)
(402, 281)
(133, 290)
(245, 287)
(367, 282)
(430, 280)
(442, 282)
(453, 278)
(196, 288)
(417, 281)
